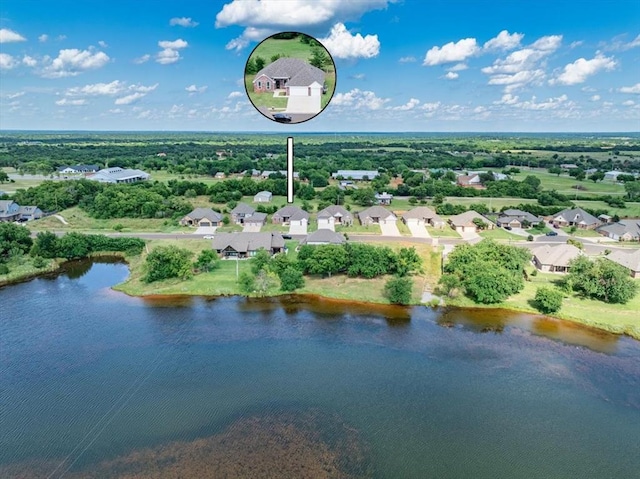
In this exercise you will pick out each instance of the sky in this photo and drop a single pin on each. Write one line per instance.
(402, 65)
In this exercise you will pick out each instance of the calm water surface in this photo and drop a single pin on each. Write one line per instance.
(90, 377)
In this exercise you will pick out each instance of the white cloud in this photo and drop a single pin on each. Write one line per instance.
(410, 105)
(359, 76)
(11, 96)
(235, 94)
(409, 59)
(581, 69)
(458, 67)
(549, 104)
(129, 99)
(595, 98)
(183, 22)
(629, 103)
(633, 43)
(142, 59)
(431, 106)
(630, 89)
(170, 52)
(575, 44)
(7, 62)
(192, 89)
(103, 44)
(504, 41)
(263, 17)
(522, 67)
(72, 62)
(66, 101)
(29, 61)
(619, 44)
(43, 38)
(116, 110)
(507, 99)
(451, 76)
(342, 44)
(9, 36)
(451, 52)
(358, 99)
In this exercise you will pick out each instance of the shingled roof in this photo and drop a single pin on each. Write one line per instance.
(296, 71)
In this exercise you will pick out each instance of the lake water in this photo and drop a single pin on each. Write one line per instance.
(97, 384)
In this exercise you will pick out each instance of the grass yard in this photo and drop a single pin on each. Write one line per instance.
(357, 228)
(615, 318)
(445, 232)
(79, 221)
(580, 233)
(500, 234)
(403, 228)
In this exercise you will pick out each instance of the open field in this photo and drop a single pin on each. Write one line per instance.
(616, 318)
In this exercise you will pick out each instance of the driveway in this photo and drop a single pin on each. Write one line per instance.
(389, 229)
(418, 231)
(205, 230)
(251, 228)
(297, 229)
(304, 104)
(471, 236)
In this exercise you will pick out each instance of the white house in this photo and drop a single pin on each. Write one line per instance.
(263, 197)
(119, 175)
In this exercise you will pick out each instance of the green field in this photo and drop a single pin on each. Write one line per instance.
(500, 234)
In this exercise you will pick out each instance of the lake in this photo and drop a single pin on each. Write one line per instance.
(97, 384)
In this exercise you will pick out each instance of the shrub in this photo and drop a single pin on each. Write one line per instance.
(291, 279)
(39, 262)
(4, 269)
(548, 300)
(398, 290)
(530, 238)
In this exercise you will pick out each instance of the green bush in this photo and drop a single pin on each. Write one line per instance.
(39, 262)
(4, 269)
(398, 290)
(548, 300)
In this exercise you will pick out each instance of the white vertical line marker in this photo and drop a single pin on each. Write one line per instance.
(290, 169)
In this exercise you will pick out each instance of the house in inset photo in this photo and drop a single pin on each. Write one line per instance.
(293, 75)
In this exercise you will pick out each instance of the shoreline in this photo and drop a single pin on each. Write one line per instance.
(310, 297)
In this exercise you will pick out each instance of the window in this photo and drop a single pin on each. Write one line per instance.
(268, 85)
(259, 84)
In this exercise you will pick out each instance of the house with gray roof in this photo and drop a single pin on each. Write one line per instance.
(576, 217)
(376, 215)
(241, 212)
(119, 175)
(623, 230)
(9, 210)
(627, 259)
(555, 258)
(383, 198)
(334, 215)
(515, 218)
(78, 169)
(356, 175)
(245, 245)
(256, 219)
(323, 236)
(463, 223)
(295, 76)
(29, 213)
(263, 197)
(291, 215)
(422, 216)
(202, 217)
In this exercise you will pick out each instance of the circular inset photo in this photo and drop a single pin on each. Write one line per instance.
(290, 77)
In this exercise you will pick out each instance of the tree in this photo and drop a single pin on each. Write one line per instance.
(548, 300)
(247, 283)
(632, 189)
(319, 58)
(259, 63)
(260, 261)
(207, 261)
(264, 281)
(555, 170)
(73, 245)
(166, 262)
(601, 279)
(597, 176)
(324, 260)
(408, 262)
(291, 279)
(4, 177)
(14, 238)
(364, 196)
(250, 67)
(480, 224)
(398, 290)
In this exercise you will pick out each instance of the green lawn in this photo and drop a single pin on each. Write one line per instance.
(357, 228)
(445, 232)
(403, 228)
(500, 234)
(616, 318)
(580, 233)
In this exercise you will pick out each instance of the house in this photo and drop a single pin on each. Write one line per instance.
(219, 175)
(569, 166)
(78, 169)
(323, 236)
(245, 245)
(119, 175)
(613, 175)
(469, 181)
(267, 173)
(575, 217)
(423, 216)
(355, 175)
(605, 218)
(241, 212)
(255, 173)
(334, 215)
(9, 210)
(515, 218)
(628, 259)
(376, 215)
(202, 217)
(500, 176)
(295, 76)
(256, 219)
(263, 197)
(463, 223)
(29, 213)
(554, 259)
(383, 198)
(623, 230)
(590, 171)
(291, 215)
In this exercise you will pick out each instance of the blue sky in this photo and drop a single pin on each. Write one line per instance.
(412, 65)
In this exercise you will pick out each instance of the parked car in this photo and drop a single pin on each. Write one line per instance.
(282, 117)
(552, 233)
(208, 236)
(508, 228)
(286, 236)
